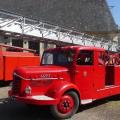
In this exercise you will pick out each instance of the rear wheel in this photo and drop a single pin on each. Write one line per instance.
(67, 106)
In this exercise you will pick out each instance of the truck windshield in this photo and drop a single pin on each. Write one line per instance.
(61, 57)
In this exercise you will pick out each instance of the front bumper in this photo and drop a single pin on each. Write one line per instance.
(35, 100)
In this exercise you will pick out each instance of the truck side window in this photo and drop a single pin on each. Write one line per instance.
(101, 59)
(85, 57)
(48, 59)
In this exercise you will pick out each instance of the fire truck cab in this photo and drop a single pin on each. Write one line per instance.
(66, 78)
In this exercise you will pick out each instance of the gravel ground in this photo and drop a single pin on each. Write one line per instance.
(108, 109)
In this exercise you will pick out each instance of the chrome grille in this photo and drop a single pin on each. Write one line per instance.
(16, 84)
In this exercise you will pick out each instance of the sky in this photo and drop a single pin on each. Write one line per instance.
(115, 9)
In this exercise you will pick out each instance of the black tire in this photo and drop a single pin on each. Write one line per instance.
(57, 114)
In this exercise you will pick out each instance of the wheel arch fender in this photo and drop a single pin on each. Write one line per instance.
(66, 88)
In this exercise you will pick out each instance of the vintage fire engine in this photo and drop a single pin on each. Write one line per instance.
(12, 57)
(68, 77)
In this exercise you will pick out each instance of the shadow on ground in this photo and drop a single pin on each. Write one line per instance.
(4, 84)
(12, 110)
(99, 102)
(18, 111)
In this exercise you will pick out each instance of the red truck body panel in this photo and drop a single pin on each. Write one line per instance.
(91, 81)
(88, 74)
(10, 60)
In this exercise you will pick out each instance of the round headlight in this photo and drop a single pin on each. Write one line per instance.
(28, 90)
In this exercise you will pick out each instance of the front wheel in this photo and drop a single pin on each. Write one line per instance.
(67, 106)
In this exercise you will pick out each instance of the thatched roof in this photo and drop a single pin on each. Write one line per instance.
(82, 15)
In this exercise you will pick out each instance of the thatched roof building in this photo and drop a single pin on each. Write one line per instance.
(90, 16)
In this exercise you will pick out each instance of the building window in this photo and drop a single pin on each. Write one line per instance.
(35, 45)
(17, 42)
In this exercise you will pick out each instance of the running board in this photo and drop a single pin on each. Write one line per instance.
(107, 87)
(86, 101)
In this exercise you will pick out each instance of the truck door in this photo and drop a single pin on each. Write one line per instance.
(85, 73)
(99, 70)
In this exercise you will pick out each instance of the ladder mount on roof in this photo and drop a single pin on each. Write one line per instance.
(10, 23)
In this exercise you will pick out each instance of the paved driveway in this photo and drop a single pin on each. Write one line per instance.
(101, 110)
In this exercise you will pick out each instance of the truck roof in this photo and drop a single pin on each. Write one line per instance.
(77, 48)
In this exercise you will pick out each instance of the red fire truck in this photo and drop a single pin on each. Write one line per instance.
(67, 77)
(12, 57)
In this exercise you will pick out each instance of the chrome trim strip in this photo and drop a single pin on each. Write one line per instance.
(45, 79)
(107, 87)
(20, 76)
(38, 78)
